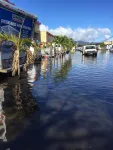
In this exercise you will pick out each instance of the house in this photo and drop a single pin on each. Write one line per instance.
(108, 44)
(46, 37)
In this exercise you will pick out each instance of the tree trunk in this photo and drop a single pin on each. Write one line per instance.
(15, 62)
(18, 63)
(29, 59)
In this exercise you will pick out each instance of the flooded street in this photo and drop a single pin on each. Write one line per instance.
(70, 106)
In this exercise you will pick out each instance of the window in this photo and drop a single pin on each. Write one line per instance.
(90, 47)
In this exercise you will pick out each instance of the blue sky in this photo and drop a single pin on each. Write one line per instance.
(75, 14)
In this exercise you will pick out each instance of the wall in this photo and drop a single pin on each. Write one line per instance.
(108, 42)
(46, 37)
(37, 31)
(43, 37)
(37, 27)
(50, 37)
(37, 36)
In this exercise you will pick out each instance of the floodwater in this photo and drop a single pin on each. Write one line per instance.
(60, 104)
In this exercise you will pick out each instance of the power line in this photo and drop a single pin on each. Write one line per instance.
(107, 39)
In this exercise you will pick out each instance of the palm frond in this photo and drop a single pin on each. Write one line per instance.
(25, 42)
(18, 45)
(10, 38)
(3, 37)
(36, 47)
(65, 42)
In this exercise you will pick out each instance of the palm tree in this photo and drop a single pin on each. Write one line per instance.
(71, 43)
(18, 45)
(67, 43)
(36, 47)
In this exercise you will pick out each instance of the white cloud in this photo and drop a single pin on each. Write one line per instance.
(84, 34)
(44, 28)
(107, 36)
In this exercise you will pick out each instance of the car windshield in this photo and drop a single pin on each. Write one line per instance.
(90, 47)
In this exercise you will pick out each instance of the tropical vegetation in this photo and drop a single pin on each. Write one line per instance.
(102, 45)
(65, 42)
(19, 44)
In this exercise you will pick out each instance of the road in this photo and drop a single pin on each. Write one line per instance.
(70, 106)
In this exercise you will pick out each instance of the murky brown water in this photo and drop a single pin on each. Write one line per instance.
(70, 108)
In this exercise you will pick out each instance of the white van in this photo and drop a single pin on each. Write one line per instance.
(90, 50)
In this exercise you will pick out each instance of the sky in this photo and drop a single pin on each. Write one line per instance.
(86, 20)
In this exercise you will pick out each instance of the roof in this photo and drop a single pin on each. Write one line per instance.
(8, 5)
(8, 2)
(38, 23)
(47, 33)
(50, 34)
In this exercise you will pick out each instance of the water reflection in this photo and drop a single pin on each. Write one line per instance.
(75, 95)
(44, 68)
(77, 112)
(2, 117)
(34, 74)
(16, 107)
(61, 73)
(89, 59)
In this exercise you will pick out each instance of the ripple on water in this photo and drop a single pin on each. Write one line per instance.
(75, 96)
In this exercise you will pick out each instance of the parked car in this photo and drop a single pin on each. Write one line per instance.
(98, 47)
(79, 49)
(111, 49)
(89, 50)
